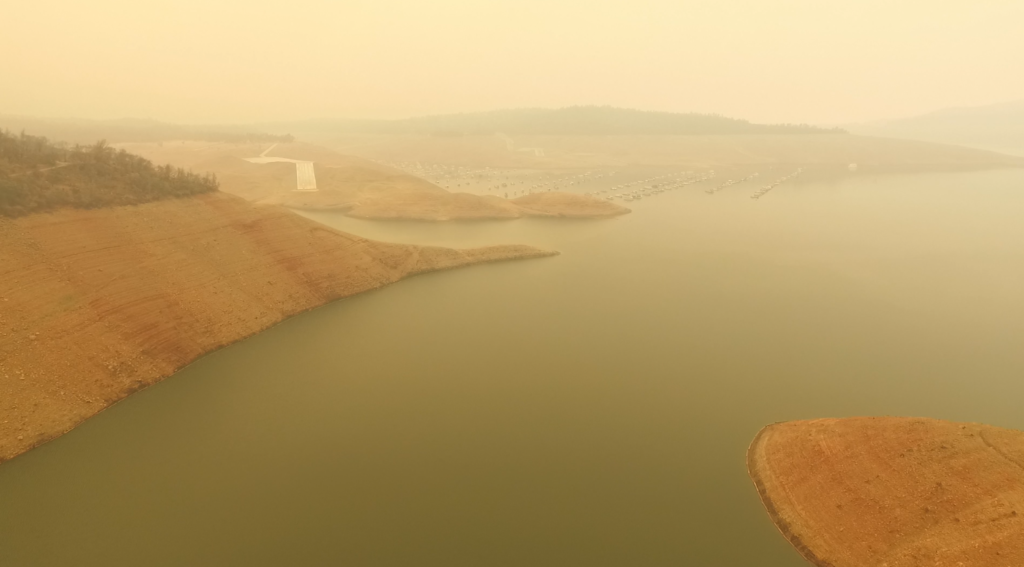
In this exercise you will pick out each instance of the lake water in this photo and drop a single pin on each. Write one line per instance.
(592, 408)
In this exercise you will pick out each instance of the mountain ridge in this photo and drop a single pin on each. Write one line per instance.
(572, 120)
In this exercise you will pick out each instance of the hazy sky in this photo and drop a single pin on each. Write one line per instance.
(225, 61)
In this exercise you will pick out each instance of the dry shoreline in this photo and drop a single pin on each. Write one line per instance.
(97, 304)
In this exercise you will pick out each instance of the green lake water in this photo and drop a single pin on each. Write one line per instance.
(588, 409)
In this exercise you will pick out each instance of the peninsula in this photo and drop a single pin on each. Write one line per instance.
(894, 491)
(99, 302)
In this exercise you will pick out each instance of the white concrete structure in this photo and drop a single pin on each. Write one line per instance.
(305, 176)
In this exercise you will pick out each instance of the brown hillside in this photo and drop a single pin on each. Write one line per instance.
(97, 304)
(895, 492)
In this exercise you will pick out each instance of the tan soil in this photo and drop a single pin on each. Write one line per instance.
(358, 187)
(95, 305)
(894, 492)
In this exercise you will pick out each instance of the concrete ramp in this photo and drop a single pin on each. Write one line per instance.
(305, 175)
(305, 178)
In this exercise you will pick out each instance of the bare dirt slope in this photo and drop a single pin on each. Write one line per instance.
(898, 492)
(96, 304)
(356, 186)
(342, 175)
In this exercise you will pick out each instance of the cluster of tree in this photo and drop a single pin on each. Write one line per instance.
(38, 175)
(574, 121)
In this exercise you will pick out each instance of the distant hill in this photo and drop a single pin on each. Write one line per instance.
(995, 127)
(80, 131)
(571, 121)
(37, 175)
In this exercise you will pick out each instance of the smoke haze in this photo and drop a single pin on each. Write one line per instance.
(782, 61)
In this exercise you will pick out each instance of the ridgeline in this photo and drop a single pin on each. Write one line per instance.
(570, 121)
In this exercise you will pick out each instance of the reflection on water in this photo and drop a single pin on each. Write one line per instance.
(588, 409)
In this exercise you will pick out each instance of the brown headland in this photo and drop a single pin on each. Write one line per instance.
(96, 304)
(894, 492)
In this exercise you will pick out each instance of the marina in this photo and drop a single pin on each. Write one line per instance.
(765, 189)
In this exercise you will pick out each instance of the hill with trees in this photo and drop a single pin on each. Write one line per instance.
(37, 175)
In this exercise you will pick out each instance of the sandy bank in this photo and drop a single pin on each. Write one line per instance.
(97, 304)
(894, 491)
